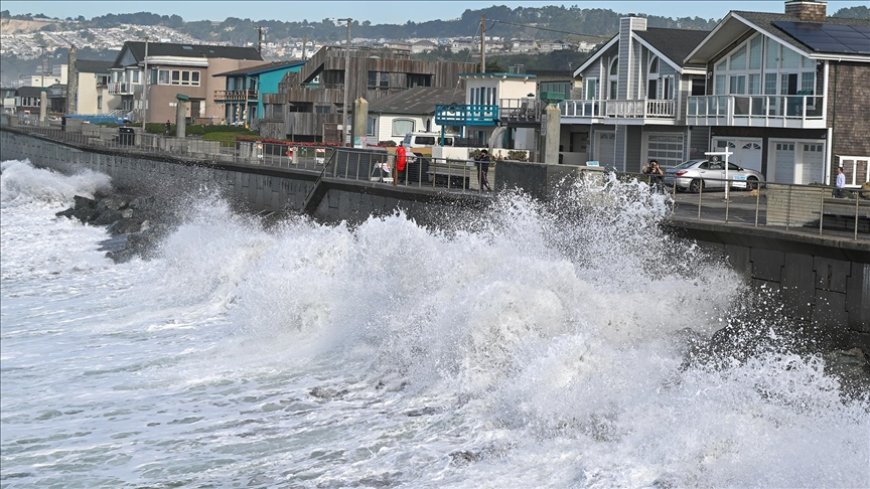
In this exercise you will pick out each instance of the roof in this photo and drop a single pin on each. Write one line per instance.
(265, 68)
(137, 48)
(93, 66)
(675, 44)
(765, 21)
(418, 100)
(30, 91)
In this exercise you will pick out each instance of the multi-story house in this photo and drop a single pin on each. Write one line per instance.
(494, 100)
(412, 110)
(246, 88)
(635, 89)
(174, 69)
(309, 104)
(92, 95)
(788, 94)
(57, 74)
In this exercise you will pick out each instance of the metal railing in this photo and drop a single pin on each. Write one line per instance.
(756, 110)
(125, 88)
(810, 209)
(620, 109)
(235, 95)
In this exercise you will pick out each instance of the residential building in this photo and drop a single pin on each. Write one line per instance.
(27, 100)
(788, 93)
(494, 100)
(412, 110)
(57, 74)
(175, 69)
(242, 96)
(423, 46)
(635, 88)
(309, 104)
(7, 100)
(92, 95)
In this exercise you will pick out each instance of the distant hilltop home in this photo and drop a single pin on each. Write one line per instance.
(787, 94)
(308, 106)
(173, 69)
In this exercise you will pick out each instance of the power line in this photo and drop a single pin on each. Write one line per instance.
(548, 29)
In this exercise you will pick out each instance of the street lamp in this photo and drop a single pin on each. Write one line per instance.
(145, 89)
(344, 125)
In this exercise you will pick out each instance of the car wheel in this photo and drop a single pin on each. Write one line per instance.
(751, 183)
(696, 186)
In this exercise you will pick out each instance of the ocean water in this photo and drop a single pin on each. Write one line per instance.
(528, 346)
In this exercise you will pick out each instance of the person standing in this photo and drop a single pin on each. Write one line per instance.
(166, 128)
(401, 161)
(482, 161)
(840, 190)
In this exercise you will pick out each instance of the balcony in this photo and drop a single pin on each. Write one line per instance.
(235, 95)
(125, 88)
(520, 110)
(646, 109)
(789, 111)
(466, 115)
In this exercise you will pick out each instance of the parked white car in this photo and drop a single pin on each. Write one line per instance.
(693, 175)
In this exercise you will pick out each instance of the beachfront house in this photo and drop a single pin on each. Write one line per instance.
(175, 69)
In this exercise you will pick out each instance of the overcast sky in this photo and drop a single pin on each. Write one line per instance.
(377, 12)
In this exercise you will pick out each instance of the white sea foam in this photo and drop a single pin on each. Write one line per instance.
(529, 346)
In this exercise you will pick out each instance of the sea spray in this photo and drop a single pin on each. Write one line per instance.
(530, 345)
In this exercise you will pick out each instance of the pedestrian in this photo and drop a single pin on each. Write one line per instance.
(483, 161)
(166, 128)
(401, 161)
(840, 190)
(656, 174)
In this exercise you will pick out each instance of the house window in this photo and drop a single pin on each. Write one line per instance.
(856, 168)
(371, 126)
(402, 127)
(591, 92)
(613, 78)
(179, 77)
(99, 102)
(653, 79)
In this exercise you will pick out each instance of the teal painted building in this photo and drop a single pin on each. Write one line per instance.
(245, 89)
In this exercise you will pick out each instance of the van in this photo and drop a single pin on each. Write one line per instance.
(421, 139)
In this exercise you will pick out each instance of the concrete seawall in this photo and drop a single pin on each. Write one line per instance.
(821, 278)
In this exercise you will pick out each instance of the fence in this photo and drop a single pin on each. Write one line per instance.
(814, 209)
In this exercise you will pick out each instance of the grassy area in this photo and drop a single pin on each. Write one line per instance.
(226, 138)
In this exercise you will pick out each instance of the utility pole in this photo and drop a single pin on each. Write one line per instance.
(344, 125)
(145, 89)
(482, 44)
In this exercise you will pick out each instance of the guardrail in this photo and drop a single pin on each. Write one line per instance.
(813, 209)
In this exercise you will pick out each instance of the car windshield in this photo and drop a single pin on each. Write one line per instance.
(688, 164)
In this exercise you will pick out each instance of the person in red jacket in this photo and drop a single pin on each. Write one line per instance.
(401, 159)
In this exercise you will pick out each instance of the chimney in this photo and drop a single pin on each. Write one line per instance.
(807, 10)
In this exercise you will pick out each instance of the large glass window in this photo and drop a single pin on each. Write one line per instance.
(613, 78)
(591, 92)
(183, 77)
(402, 127)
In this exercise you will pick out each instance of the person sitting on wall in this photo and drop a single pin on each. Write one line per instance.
(656, 174)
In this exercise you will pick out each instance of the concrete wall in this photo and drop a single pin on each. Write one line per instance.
(826, 280)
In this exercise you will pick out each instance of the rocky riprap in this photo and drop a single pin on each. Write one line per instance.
(135, 223)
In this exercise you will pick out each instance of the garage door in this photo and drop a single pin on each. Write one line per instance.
(784, 163)
(747, 152)
(605, 142)
(809, 167)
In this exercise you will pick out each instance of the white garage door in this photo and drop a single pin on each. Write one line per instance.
(810, 166)
(747, 152)
(784, 163)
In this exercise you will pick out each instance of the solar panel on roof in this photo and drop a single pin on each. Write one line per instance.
(829, 38)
